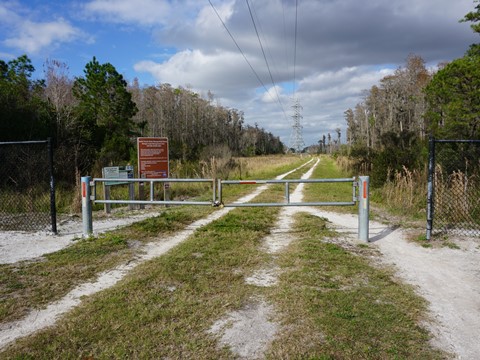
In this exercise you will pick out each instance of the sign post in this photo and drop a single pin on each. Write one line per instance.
(117, 172)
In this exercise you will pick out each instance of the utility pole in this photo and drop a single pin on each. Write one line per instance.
(296, 140)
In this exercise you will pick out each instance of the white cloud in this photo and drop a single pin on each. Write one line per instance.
(208, 19)
(8, 13)
(139, 12)
(6, 56)
(272, 95)
(32, 37)
(203, 71)
(22, 32)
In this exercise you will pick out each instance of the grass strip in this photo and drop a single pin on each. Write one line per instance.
(33, 284)
(330, 192)
(165, 306)
(334, 305)
(263, 171)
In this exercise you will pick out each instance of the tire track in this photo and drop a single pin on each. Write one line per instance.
(41, 319)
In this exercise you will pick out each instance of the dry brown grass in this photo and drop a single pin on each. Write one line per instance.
(349, 165)
(258, 164)
(232, 167)
(456, 195)
(345, 163)
(407, 192)
(404, 194)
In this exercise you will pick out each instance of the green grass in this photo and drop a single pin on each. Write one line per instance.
(233, 192)
(436, 242)
(329, 192)
(165, 307)
(333, 304)
(33, 284)
(330, 302)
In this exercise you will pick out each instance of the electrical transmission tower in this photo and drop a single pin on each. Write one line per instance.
(296, 140)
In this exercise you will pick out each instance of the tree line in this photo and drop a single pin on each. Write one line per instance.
(94, 119)
(390, 127)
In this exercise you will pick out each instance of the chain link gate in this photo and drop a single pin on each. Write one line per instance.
(453, 200)
(27, 187)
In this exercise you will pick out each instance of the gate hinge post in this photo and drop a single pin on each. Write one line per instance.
(363, 208)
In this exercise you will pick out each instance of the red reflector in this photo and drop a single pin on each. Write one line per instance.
(84, 189)
(247, 182)
(364, 189)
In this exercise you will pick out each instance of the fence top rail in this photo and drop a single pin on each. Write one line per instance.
(283, 181)
(456, 141)
(298, 204)
(149, 180)
(24, 142)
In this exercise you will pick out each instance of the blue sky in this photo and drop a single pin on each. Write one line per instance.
(343, 47)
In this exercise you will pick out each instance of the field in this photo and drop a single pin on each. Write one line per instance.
(183, 282)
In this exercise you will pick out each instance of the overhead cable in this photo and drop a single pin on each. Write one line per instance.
(265, 57)
(239, 49)
(295, 48)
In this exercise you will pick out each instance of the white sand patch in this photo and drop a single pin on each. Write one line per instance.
(280, 234)
(264, 277)
(248, 331)
(449, 279)
(18, 245)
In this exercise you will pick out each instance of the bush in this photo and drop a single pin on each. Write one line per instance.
(399, 151)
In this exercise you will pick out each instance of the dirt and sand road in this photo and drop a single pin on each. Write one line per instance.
(449, 279)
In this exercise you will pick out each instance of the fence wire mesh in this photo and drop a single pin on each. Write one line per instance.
(457, 187)
(25, 187)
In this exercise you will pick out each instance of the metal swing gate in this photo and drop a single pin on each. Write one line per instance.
(360, 195)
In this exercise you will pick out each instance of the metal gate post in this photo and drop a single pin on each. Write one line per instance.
(219, 189)
(363, 207)
(86, 206)
(53, 208)
(431, 186)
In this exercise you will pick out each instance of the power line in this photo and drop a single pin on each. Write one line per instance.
(295, 48)
(265, 42)
(297, 138)
(265, 57)
(238, 47)
(285, 39)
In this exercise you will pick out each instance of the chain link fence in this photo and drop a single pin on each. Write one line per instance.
(454, 188)
(27, 187)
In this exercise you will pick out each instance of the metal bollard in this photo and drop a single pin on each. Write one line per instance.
(86, 206)
(363, 207)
